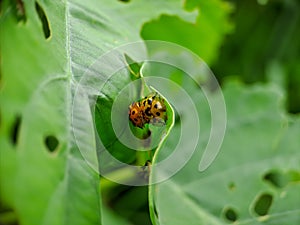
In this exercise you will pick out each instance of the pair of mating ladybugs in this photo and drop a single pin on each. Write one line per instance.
(151, 109)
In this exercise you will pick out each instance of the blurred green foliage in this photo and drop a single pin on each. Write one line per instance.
(266, 31)
(260, 33)
(46, 47)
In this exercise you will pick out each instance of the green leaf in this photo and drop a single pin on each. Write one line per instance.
(133, 67)
(111, 218)
(47, 184)
(46, 49)
(203, 36)
(142, 142)
(255, 177)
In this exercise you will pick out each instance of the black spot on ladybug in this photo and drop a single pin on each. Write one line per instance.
(135, 119)
(149, 101)
(133, 112)
(158, 113)
(147, 111)
(156, 106)
(144, 103)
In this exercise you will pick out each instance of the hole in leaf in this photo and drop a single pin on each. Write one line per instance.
(44, 20)
(15, 130)
(263, 204)
(20, 11)
(276, 178)
(230, 214)
(51, 143)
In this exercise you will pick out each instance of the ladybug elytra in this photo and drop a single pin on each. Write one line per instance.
(150, 109)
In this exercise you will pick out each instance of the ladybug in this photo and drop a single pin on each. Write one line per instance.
(150, 109)
(154, 109)
(136, 116)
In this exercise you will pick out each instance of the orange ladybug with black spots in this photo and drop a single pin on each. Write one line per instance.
(154, 108)
(136, 115)
(150, 109)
